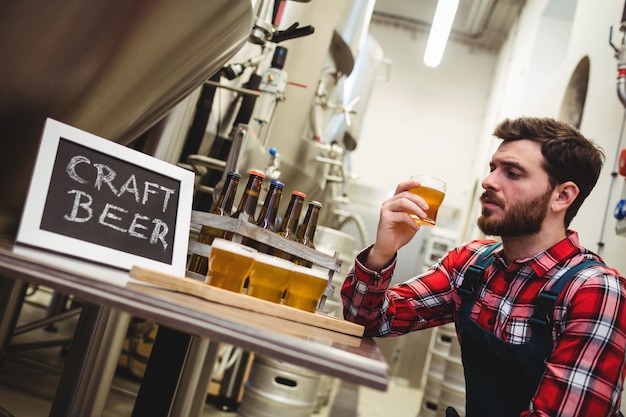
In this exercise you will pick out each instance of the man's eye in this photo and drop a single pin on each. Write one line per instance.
(512, 174)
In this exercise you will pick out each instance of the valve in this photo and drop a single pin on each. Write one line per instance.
(620, 210)
(271, 171)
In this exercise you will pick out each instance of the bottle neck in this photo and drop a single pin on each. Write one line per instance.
(250, 197)
(292, 216)
(224, 204)
(306, 232)
(267, 216)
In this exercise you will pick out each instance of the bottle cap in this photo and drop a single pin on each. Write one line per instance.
(257, 173)
(298, 193)
(234, 174)
(277, 184)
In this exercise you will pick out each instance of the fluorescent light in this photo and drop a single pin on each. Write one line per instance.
(440, 31)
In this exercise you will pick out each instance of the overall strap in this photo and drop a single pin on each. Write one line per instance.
(544, 306)
(475, 272)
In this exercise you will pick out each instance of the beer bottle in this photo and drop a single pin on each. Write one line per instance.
(223, 206)
(290, 221)
(267, 215)
(306, 231)
(249, 199)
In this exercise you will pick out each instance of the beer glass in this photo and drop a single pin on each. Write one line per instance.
(306, 288)
(432, 190)
(230, 264)
(269, 277)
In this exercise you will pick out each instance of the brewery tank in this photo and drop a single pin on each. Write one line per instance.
(112, 68)
(334, 47)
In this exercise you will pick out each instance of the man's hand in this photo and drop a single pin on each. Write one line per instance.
(395, 226)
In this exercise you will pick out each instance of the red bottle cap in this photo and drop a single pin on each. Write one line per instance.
(299, 193)
(257, 173)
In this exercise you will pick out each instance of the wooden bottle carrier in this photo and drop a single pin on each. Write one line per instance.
(241, 227)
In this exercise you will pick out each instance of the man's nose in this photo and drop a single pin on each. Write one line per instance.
(489, 181)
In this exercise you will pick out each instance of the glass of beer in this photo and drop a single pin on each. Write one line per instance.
(432, 190)
(269, 277)
(230, 264)
(306, 288)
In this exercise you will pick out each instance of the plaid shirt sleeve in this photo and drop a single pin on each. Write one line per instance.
(424, 301)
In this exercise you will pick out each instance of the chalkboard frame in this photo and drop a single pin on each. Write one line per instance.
(31, 232)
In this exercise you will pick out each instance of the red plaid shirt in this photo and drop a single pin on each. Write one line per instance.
(585, 372)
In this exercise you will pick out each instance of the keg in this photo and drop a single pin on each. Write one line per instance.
(437, 367)
(324, 390)
(452, 392)
(276, 389)
(432, 392)
(442, 340)
(451, 397)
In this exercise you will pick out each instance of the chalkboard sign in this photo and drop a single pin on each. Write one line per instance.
(101, 201)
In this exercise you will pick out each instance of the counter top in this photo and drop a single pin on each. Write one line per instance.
(354, 359)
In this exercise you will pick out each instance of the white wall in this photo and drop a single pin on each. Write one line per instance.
(542, 96)
(424, 120)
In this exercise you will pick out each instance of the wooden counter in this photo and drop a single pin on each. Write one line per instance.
(354, 359)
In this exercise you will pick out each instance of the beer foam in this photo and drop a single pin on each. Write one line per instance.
(311, 271)
(238, 248)
(273, 260)
(430, 182)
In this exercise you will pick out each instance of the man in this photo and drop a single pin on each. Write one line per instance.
(521, 355)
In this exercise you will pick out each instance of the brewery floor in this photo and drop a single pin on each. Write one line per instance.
(28, 382)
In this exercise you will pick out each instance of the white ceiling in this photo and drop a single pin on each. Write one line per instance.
(480, 23)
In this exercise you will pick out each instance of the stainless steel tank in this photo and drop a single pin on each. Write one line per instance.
(309, 163)
(348, 38)
(358, 88)
(113, 68)
(305, 59)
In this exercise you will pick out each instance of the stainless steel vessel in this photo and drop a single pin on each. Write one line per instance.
(113, 68)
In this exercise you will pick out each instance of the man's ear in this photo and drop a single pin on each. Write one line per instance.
(566, 193)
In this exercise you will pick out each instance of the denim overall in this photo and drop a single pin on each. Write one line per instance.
(501, 378)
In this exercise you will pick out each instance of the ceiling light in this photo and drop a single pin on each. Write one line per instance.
(440, 31)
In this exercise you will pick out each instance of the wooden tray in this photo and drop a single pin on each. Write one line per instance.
(246, 302)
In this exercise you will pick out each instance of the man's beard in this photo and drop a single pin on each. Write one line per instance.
(520, 219)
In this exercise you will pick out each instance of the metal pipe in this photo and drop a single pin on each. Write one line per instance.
(190, 380)
(245, 91)
(620, 54)
(91, 363)
(621, 83)
(12, 294)
(35, 364)
(608, 207)
(20, 347)
(347, 217)
(160, 380)
(204, 380)
(40, 323)
(264, 8)
(200, 119)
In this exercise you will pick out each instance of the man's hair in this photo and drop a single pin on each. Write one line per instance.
(569, 156)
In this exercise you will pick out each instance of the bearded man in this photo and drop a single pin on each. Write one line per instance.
(540, 319)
